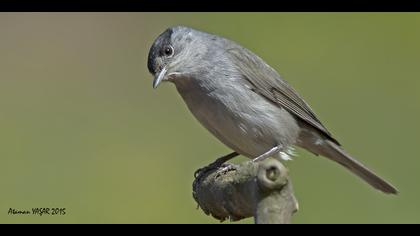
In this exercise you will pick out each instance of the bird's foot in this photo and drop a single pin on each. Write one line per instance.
(205, 169)
(216, 164)
(226, 167)
(221, 169)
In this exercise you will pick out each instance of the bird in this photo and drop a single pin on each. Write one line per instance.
(243, 101)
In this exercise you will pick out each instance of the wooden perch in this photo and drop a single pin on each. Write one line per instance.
(261, 190)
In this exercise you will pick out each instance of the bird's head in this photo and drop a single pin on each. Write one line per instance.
(176, 53)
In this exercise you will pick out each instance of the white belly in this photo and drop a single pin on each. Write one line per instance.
(241, 119)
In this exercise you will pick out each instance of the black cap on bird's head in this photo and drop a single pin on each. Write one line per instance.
(157, 50)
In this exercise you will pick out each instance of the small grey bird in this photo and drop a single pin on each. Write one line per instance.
(243, 101)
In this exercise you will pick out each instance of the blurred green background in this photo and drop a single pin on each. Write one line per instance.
(82, 128)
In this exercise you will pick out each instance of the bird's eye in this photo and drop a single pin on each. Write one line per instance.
(168, 51)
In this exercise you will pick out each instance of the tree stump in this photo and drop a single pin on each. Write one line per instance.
(262, 190)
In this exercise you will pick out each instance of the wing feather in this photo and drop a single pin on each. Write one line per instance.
(267, 82)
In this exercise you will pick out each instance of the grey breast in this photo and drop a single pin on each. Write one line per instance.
(240, 118)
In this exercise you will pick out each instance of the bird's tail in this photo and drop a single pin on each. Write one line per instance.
(334, 152)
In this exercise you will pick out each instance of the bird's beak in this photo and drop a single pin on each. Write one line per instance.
(159, 77)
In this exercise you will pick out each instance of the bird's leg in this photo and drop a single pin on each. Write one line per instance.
(216, 164)
(271, 152)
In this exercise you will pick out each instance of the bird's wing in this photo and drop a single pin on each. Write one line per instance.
(267, 82)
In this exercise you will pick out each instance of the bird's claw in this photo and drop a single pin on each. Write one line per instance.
(202, 170)
(221, 169)
(226, 167)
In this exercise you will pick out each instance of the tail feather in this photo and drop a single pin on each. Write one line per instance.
(334, 152)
